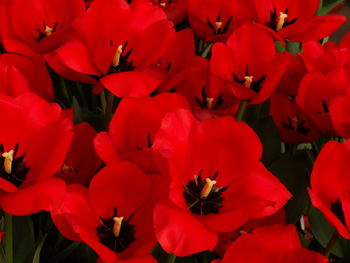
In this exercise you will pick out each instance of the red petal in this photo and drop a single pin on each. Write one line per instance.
(46, 195)
(179, 233)
(130, 84)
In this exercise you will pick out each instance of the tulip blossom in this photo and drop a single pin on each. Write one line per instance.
(111, 217)
(34, 142)
(121, 56)
(252, 68)
(132, 130)
(215, 20)
(330, 185)
(39, 26)
(294, 20)
(217, 181)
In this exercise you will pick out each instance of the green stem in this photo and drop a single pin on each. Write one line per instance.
(206, 51)
(241, 110)
(81, 92)
(109, 108)
(64, 91)
(8, 238)
(171, 258)
(331, 243)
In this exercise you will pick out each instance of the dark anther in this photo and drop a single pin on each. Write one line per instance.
(218, 102)
(149, 141)
(325, 106)
(19, 169)
(203, 206)
(42, 35)
(256, 85)
(154, 93)
(337, 209)
(125, 238)
(124, 64)
(274, 20)
(168, 67)
(202, 102)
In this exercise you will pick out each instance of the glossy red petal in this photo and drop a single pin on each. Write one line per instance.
(47, 149)
(106, 149)
(122, 185)
(179, 233)
(315, 28)
(134, 84)
(45, 195)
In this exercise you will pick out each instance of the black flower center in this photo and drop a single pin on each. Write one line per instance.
(249, 81)
(208, 103)
(15, 170)
(337, 209)
(199, 204)
(123, 64)
(46, 31)
(296, 124)
(120, 241)
(219, 27)
(274, 19)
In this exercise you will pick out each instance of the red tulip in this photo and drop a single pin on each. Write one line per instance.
(316, 93)
(215, 20)
(34, 141)
(330, 185)
(113, 216)
(217, 181)
(249, 63)
(39, 26)
(113, 47)
(294, 19)
(294, 125)
(133, 127)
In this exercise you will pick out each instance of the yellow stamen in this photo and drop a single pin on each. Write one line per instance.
(163, 4)
(218, 25)
(8, 161)
(116, 59)
(117, 225)
(295, 123)
(281, 21)
(207, 188)
(67, 169)
(210, 102)
(248, 81)
(48, 30)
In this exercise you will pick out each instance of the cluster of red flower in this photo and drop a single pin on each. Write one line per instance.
(175, 166)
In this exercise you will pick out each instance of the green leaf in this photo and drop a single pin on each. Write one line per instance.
(268, 134)
(293, 47)
(293, 171)
(328, 8)
(159, 254)
(2, 255)
(323, 231)
(24, 239)
(60, 257)
(36, 258)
